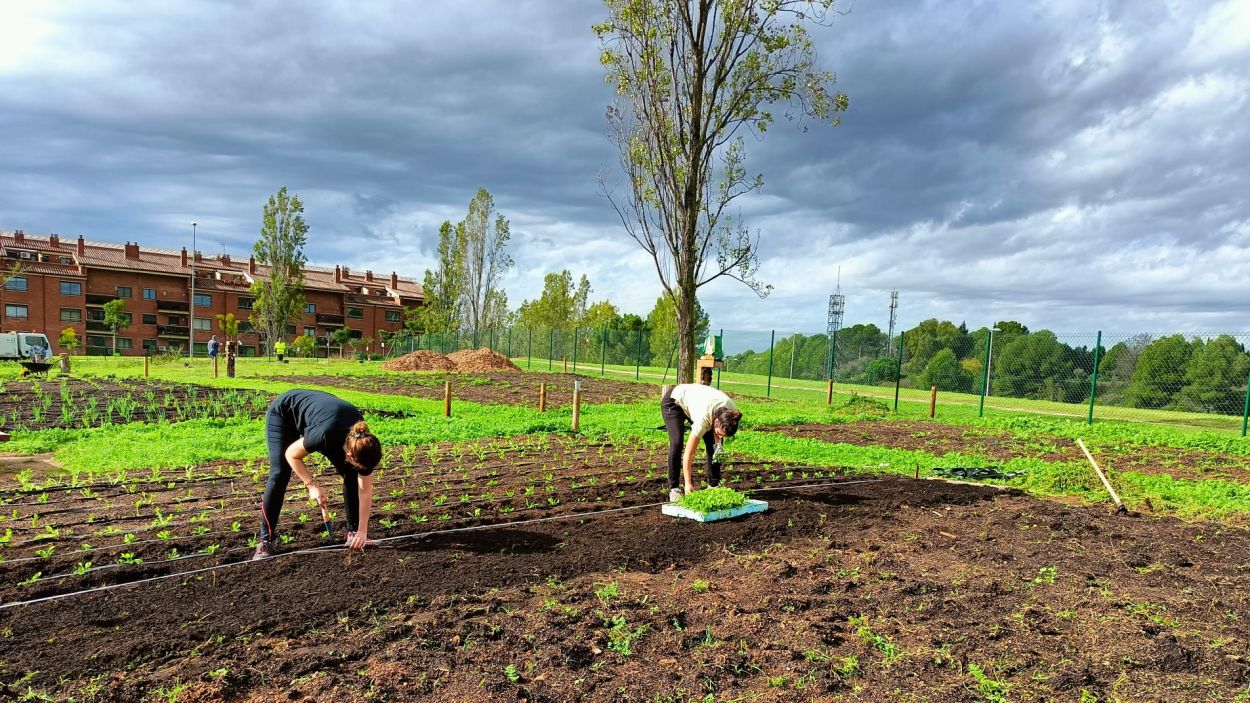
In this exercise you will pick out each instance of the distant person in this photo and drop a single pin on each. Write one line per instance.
(300, 422)
(713, 416)
(279, 348)
(213, 346)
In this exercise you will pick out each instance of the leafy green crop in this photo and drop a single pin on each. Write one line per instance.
(710, 500)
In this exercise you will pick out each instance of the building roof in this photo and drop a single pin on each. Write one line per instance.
(46, 253)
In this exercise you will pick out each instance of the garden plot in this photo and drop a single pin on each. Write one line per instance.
(79, 403)
(495, 388)
(1000, 445)
(62, 536)
(893, 591)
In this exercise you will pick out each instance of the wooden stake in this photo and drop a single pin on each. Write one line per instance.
(1119, 505)
(577, 406)
(214, 367)
(829, 395)
(447, 398)
(542, 397)
(932, 400)
(566, 364)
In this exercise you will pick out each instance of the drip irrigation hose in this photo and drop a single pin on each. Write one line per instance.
(385, 541)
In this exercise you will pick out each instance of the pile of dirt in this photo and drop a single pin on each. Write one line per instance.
(422, 360)
(478, 360)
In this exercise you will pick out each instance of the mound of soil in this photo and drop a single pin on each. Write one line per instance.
(477, 360)
(422, 360)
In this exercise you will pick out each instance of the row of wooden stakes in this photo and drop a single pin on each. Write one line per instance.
(542, 401)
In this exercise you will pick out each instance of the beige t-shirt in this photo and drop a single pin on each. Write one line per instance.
(700, 402)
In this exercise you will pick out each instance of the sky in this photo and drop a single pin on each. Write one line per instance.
(1073, 165)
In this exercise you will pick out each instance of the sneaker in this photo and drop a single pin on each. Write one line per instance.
(674, 495)
(264, 550)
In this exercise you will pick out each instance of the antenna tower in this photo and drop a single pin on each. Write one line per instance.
(889, 339)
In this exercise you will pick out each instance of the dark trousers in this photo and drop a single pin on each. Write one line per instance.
(280, 433)
(675, 422)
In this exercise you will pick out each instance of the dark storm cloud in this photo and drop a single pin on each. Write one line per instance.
(1060, 163)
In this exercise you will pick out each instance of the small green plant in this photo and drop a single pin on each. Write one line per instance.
(512, 674)
(710, 500)
(620, 637)
(82, 567)
(607, 592)
(700, 586)
(38, 575)
(1046, 574)
(992, 690)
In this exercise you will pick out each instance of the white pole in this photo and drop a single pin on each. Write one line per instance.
(191, 329)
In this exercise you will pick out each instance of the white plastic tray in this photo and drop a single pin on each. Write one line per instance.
(751, 506)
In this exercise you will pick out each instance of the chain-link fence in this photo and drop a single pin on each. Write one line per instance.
(1198, 380)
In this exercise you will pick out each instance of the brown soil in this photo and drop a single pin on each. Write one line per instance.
(75, 403)
(943, 439)
(477, 360)
(420, 361)
(891, 590)
(491, 387)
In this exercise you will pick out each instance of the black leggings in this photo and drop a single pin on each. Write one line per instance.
(675, 422)
(280, 433)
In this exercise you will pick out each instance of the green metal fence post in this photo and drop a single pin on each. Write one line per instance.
(794, 344)
(1245, 412)
(575, 350)
(722, 340)
(603, 351)
(638, 356)
(769, 392)
(529, 348)
(1093, 380)
(898, 375)
(551, 347)
(985, 375)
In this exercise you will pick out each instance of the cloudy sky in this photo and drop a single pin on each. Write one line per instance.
(1071, 164)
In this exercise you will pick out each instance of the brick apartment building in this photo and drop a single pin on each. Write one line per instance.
(65, 283)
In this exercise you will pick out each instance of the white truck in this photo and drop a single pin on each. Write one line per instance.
(32, 349)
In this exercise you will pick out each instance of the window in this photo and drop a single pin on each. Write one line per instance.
(355, 334)
(125, 343)
(95, 314)
(356, 313)
(66, 260)
(203, 300)
(124, 291)
(149, 345)
(311, 308)
(290, 329)
(392, 316)
(129, 318)
(246, 303)
(149, 294)
(247, 351)
(71, 315)
(17, 283)
(17, 311)
(310, 331)
(176, 320)
(97, 341)
(71, 288)
(203, 324)
(201, 347)
(245, 326)
(149, 319)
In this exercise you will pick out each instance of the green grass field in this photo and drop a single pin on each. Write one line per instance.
(138, 446)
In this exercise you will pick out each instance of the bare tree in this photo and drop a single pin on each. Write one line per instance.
(486, 235)
(689, 75)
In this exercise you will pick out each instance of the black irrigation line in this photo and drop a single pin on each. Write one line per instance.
(388, 540)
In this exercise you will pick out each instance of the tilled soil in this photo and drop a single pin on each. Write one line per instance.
(897, 590)
(942, 439)
(495, 387)
(77, 403)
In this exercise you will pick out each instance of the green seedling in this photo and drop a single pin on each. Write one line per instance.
(710, 500)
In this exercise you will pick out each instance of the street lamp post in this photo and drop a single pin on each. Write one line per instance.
(989, 361)
(191, 323)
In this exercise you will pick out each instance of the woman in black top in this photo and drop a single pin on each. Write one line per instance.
(301, 422)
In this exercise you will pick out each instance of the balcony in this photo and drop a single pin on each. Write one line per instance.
(329, 319)
(97, 326)
(172, 331)
(99, 299)
(173, 306)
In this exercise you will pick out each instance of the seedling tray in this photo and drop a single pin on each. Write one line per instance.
(751, 506)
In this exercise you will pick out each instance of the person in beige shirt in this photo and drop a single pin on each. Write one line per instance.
(712, 415)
